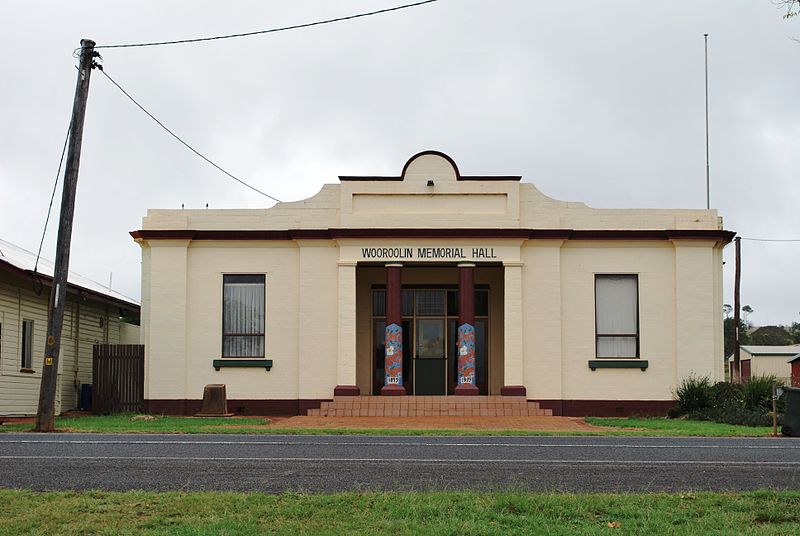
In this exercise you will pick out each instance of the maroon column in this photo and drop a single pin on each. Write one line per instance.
(393, 364)
(466, 330)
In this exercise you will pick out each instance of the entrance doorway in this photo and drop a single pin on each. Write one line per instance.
(430, 339)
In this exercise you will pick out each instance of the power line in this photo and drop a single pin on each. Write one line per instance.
(772, 239)
(52, 196)
(195, 151)
(271, 30)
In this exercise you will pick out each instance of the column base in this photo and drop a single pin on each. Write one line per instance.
(393, 390)
(346, 390)
(466, 389)
(513, 390)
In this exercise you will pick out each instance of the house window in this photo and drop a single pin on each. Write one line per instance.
(243, 298)
(26, 361)
(617, 316)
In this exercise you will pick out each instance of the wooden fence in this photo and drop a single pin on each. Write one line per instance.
(118, 378)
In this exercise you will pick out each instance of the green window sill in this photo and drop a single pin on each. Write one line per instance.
(258, 363)
(595, 364)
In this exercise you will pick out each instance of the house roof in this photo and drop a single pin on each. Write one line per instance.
(21, 261)
(791, 349)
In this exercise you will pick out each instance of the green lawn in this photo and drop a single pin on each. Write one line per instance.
(677, 427)
(763, 512)
(158, 425)
(210, 425)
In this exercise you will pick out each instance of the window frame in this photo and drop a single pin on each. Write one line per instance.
(598, 335)
(263, 333)
(26, 345)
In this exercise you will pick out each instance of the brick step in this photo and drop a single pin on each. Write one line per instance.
(430, 406)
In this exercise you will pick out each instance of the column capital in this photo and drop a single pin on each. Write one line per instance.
(394, 264)
(466, 264)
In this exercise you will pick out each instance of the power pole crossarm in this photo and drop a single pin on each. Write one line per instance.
(45, 417)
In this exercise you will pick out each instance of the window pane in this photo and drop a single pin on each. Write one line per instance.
(616, 304)
(452, 303)
(430, 302)
(243, 308)
(378, 303)
(616, 347)
(378, 354)
(408, 302)
(481, 303)
(27, 344)
(481, 351)
(243, 346)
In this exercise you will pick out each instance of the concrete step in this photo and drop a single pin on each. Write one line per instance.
(429, 406)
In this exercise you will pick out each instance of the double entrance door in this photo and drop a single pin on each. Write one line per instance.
(430, 339)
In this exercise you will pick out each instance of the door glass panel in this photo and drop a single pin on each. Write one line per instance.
(430, 339)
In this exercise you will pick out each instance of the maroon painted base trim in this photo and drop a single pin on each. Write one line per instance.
(607, 408)
(567, 408)
(513, 390)
(346, 390)
(466, 389)
(393, 390)
(237, 407)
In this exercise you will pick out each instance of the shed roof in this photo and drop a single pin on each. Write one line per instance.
(791, 349)
(21, 261)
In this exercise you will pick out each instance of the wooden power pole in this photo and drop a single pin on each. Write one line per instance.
(45, 417)
(736, 373)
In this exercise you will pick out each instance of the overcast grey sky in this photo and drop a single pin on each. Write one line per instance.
(600, 102)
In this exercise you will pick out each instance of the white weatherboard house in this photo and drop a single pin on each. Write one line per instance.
(91, 316)
(430, 283)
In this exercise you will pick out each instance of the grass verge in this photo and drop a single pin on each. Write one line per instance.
(678, 427)
(234, 425)
(67, 513)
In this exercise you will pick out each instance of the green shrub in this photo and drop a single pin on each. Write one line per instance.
(726, 395)
(693, 394)
(733, 415)
(747, 404)
(757, 393)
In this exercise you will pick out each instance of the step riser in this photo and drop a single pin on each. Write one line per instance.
(430, 406)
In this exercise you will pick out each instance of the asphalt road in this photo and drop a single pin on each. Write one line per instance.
(358, 463)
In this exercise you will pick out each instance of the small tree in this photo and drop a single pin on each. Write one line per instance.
(771, 336)
(747, 310)
(794, 332)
